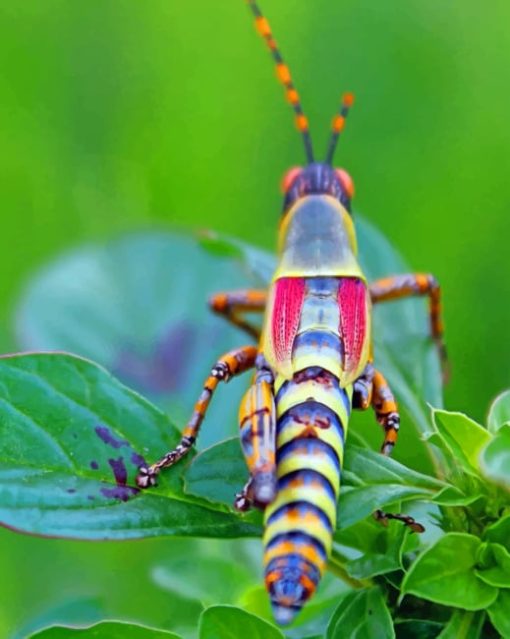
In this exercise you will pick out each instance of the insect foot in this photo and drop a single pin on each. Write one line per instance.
(407, 520)
(263, 488)
(146, 477)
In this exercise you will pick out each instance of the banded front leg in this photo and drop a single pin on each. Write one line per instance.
(400, 286)
(234, 304)
(229, 365)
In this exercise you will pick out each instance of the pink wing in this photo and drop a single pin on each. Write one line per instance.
(288, 297)
(354, 324)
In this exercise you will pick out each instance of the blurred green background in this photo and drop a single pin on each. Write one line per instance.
(117, 115)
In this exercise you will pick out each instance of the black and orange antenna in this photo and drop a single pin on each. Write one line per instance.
(283, 73)
(338, 124)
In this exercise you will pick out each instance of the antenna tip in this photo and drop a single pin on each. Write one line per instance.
(348, 100)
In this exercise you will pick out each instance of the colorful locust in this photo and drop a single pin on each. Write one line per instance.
(313, 364)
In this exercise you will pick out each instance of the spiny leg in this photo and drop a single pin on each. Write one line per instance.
(233, 304)
(399, 286)
(229, 365)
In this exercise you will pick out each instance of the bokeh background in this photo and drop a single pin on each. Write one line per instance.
(117, 115)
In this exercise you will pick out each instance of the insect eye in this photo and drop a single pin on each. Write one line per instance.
(289, 178)
(346, 182)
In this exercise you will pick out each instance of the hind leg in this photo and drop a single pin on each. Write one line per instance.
(257, 423)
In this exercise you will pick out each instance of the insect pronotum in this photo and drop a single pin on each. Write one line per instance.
(313, 364)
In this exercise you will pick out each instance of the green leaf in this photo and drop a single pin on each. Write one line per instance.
(463, 438)
(381, 555)
(72, 613)
(361, 614)
(71, 440)
(445, 573)
(105, 630)
(499, 532)
(498, 613)
(417, 629)
(228, 622)
(496, 570)
(138, 306)
(464, 625)
(499, 412)
(218, 472)
(495, 458)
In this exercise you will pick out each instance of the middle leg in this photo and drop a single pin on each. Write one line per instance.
(234, 304)
(373, 389)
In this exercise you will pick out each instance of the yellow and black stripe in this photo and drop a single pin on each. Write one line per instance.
(312, 414)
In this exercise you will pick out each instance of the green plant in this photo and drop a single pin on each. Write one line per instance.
(73, 437)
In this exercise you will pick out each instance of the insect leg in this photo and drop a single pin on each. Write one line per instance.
(234, 304)
(386, 412)
(229, 365)
(257, 422)
(392, 288)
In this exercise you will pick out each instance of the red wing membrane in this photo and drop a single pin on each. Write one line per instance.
(354, 323)
(289, 293)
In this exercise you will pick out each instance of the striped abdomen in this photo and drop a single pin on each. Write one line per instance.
(312, 413)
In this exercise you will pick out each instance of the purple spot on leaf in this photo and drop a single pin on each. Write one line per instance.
(70, 490)
(94, 465)
(106, 435)
(120, 492)
(119, 470)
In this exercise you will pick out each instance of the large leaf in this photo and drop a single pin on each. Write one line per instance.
(445, 573)
(138, 306)
(105, 630)
(370, 480)
(360, 615)
(228, 622)
(71, 440)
